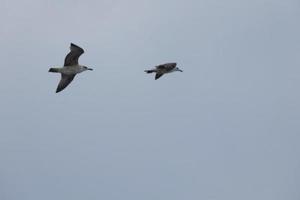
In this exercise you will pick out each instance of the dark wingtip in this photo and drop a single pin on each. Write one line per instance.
(157, 76)
(58, 90)
(77, 47)
(74, 45)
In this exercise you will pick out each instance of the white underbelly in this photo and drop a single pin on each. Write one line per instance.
(70, 70)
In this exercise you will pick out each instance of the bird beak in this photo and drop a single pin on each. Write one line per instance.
(180, 70)
(90, 69)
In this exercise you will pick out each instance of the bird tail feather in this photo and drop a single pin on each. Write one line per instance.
(54, 70)
(149, 71)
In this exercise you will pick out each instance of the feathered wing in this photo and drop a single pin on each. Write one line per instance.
(158, 75)
(64, 82)
(72, 57)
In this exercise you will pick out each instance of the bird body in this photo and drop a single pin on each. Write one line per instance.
(70, 68)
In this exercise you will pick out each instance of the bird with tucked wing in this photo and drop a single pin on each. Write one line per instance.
(163, 69)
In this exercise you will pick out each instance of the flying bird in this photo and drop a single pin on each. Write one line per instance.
(163, 69)
(70, 68)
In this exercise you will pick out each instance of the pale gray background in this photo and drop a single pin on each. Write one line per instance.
(225, 129)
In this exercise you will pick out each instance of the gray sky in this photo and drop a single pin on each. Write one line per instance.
(225, 129)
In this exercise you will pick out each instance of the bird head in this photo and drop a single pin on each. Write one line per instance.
(177, 69)
(86, 68)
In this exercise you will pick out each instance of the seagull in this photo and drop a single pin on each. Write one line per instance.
(163, 69)
(70, 68)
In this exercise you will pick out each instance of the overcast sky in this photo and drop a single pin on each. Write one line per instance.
(227, 128)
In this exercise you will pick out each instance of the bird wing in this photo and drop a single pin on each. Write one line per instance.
(64, 82)
(158, 75)
(72, 57)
